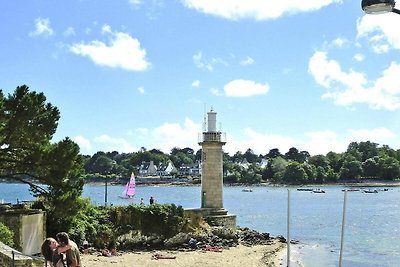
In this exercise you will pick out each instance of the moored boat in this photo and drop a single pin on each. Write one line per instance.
(319, 191)
(371, 191)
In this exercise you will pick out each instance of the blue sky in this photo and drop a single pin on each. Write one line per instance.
(126, 74)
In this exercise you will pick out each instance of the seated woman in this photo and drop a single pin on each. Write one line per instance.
(51, 252)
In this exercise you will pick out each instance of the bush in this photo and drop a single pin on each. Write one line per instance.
(6, 235)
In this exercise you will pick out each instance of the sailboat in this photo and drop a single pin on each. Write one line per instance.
(130, 188)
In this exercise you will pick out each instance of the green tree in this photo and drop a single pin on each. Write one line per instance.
(351, 169)
(27, 125)
(390, 168)
(278, 166)
(273, 153)
(371, 167)
(295, 173)
(319, 161)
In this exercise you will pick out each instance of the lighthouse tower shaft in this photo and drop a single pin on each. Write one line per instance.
(211, 142)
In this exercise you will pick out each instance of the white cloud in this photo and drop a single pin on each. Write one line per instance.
(255, 9)
(380, 31)
(122, 51)
(216, 92)
(348, 88)
(141, 89)
(42, 28)
(170, 135)
(70, 31)
(359, 57)
(339, 42)
(83, 143)
(247, 61)
(135, 2)
(317, 142)
(244, 88)
(202, 63)
(196, 83)
(258, 142)
(377, 135)
(109, 143)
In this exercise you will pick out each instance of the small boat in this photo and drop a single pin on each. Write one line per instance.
(351, 189)
(247, 190)
(304, 189)
(318, 191)
(130, 188)
(374, 191)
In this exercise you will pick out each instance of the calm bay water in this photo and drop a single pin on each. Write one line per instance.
(372, 233)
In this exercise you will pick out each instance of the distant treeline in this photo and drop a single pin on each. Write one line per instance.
(360, 160)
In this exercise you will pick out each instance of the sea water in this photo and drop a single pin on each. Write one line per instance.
(372, 226)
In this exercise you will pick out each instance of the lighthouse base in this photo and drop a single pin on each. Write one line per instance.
(214, 216)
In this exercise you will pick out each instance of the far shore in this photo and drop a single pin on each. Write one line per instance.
(364, 183)
(177, 182)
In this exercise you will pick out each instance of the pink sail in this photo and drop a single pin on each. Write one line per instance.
(130, 188)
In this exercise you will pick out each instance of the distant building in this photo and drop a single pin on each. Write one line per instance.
(166, 169)
(193, 169)
(263, 163)
(147, 169)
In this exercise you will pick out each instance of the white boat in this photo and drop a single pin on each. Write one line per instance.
(130, 188)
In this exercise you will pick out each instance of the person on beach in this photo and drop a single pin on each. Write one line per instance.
(141, 202)
(72, 255)
(151, 200)
(52, 252)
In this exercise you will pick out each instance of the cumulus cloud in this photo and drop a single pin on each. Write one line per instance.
(359, 57)
(315, 142)
(196, 83)
(255, 9)
(141, 89)
(122, 51)
(245, 88)
(83, 143)
(380, 31)
(109, 143)
(170, 135)
(351, 87)
(42, 28)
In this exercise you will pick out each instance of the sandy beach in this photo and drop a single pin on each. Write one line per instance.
(257, 256)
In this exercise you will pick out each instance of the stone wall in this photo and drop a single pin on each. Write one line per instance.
(18, 260)
(28, 225)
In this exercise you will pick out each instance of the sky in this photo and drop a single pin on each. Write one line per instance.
(126, 74)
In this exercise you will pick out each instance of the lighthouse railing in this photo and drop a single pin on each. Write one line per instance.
(212, 137)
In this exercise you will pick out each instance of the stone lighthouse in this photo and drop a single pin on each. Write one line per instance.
(211, 141)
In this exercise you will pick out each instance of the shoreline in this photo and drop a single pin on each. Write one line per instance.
(257, 255)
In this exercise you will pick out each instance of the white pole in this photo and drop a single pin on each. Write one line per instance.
(342, 235)
(288, 231)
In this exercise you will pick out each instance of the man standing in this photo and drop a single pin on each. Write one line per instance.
(72, 255)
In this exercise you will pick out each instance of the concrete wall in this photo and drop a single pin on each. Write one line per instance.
(19, 260)
(29, 227)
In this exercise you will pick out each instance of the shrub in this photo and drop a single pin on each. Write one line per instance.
(6, 235)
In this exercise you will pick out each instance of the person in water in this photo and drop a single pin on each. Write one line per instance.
(52, 252)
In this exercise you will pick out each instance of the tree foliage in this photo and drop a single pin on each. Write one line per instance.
(27, 126)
